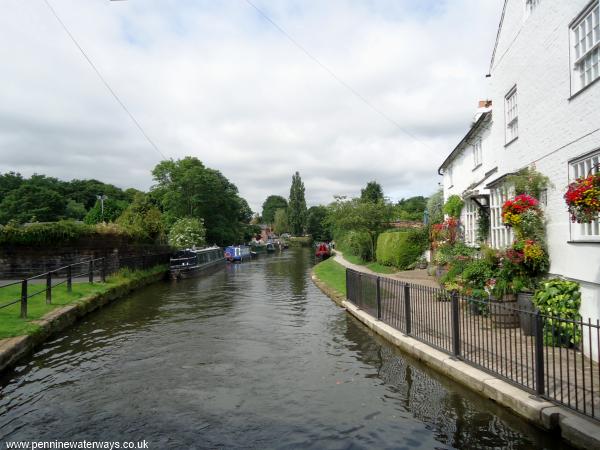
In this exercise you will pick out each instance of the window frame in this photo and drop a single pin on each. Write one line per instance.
(575, 62)
(477, 151)
(501, 236)
(510, 123)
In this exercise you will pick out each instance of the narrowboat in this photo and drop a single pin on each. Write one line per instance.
(237, 253)
(322, 251)
(191, 262)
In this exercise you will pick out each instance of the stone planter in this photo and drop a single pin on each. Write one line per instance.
(526, 313)
(503, 312)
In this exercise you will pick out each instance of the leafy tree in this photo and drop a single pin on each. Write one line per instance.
(270, 206)
(186, 188)
(297, 206)
(75, 210)
(32, 202)
(142, 217)
(281, 224)
(358, 216)
(372, 192)
(186, 233)
(86, 192)
(9, 181)
(411, 208)
(316, 223)
(112, 210)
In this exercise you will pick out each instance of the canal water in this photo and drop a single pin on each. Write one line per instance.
(251, 356)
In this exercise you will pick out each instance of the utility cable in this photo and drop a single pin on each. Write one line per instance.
(112, 92)
(334, 76)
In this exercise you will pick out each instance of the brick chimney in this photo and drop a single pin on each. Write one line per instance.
(485, 103)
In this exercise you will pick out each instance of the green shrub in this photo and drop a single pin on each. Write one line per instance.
(358, 243)
(453, 206)
(401, 248)
(560, 298)
(476, 273)
(44, 233)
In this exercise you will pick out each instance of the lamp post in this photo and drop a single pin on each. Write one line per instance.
(102, 197)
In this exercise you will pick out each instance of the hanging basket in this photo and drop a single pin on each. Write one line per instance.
(583, 197)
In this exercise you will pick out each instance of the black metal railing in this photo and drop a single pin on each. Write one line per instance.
(89, 269)
(555, 358)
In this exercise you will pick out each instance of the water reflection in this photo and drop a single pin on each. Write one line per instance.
(252, 356)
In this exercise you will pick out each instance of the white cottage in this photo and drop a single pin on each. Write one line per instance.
(545, 92)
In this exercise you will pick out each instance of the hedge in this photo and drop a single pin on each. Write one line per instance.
(356, 243)
(401, 248)
(55, 233)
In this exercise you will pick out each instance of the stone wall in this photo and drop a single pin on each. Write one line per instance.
(23, 261)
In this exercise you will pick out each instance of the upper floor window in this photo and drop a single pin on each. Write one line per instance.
(530, 5)
(477, 154)
(582, 167)
(512, 115)
(586, 46)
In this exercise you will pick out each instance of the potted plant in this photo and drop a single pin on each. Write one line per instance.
(583, 198)
(560, 299)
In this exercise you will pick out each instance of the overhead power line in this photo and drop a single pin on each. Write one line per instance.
(110, 89)
(357, 94)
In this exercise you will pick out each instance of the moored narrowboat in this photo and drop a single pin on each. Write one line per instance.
(191, 262)
(322, 251)
(237, 253)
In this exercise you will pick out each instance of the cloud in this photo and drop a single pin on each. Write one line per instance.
(217, 81)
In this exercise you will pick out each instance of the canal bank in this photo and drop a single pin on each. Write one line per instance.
(574, 429)
(14, 349)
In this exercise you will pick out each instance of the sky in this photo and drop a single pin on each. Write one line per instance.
(343, 91)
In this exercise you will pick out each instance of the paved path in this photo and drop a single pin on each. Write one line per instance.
(417, 276)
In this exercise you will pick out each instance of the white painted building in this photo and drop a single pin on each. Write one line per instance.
(545, 92)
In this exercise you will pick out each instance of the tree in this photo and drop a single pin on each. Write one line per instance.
(142, 217)
(358, 216)
(186, 188)
(111, 210)
(281, 224)
(411, 208)
(297, 206)
(32, 202)
(75, 210)
(270, 206)
(316, 223)
(9, 181)
(187, 232)
(372, 192)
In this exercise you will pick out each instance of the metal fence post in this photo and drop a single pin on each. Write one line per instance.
(378, 293)
(49, 288)
(91, 271)
(455, 325)
(69, 278)
(103, 271)
(347, 285)
(539, 354)
(407, 312)
(24, 299)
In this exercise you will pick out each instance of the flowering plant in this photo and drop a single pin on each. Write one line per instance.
(583, 198)
(445, 232)
(513, 210)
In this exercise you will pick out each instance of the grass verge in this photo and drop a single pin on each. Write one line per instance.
(332, 274)
(12, 325)
(374, 266)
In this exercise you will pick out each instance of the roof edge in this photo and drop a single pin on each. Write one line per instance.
(470, 133)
